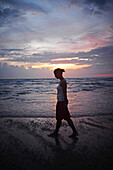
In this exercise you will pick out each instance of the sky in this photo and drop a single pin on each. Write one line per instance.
(37, 36)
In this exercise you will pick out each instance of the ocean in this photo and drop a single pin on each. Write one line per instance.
(38, 97)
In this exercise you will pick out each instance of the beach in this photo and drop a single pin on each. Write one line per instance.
(24, 144)
(27, 117)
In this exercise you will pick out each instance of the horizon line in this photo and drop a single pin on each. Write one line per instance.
(93, 76)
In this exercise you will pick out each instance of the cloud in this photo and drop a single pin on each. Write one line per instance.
(92, 11)
(100, 4)
(14, 72)
(8, 12)
(10, 53)
(8, 15)
(95, 62)
(101, 58)
(93, 7)
(90, 40)
(12, 10)
(25, 5)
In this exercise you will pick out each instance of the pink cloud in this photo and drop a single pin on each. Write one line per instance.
(67, 42)
(90, 41)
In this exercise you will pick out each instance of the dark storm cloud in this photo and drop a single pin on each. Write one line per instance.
(107, 50)
(10, 52)
(13, 9)
(25, 59)
(101, 55)
(8, 15)
(100, 61)
(100, 4)
(93, 7)
(92, 11)
(24, 5)
(8, 12)
(10, 71)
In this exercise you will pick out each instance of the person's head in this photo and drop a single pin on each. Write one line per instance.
(58, 72)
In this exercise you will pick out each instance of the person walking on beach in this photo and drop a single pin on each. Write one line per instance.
(62, 111)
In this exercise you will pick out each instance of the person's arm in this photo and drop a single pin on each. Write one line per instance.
(64, 87)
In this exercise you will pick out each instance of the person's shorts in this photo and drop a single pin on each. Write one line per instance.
(62, 111)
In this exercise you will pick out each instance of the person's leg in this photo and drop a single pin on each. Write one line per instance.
(58, 124)
(55, 133)
(70, 122)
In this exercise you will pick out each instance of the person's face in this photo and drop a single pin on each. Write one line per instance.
(57, 75)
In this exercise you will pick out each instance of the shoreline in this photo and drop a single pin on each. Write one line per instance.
(53, 117)
(25, 144)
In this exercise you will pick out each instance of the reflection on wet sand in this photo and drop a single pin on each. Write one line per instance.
(25, 144)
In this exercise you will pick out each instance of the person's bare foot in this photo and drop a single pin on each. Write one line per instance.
(54, 134)
(75, 134)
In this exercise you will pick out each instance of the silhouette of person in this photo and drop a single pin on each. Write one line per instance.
(62, 111)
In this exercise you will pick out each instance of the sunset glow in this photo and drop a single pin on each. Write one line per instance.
(39, 36)
(65, 66)
(103, 75)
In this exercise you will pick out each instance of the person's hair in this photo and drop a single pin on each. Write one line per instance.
(59, 70)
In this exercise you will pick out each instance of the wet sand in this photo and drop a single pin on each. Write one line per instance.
(25, 145)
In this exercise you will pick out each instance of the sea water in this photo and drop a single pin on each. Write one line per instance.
(38, 97)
